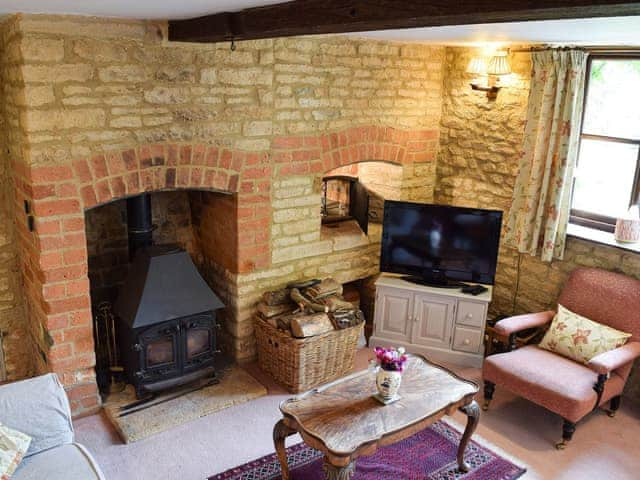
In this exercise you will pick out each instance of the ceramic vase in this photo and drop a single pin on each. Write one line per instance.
(388, 383)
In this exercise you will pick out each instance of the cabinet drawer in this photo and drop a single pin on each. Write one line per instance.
(470, 314)
(467, 339)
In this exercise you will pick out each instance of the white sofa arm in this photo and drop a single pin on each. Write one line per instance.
(38, 407)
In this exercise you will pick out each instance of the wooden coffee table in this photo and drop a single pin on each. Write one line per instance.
(343, 421)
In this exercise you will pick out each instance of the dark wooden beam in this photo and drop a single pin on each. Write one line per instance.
(304, 17)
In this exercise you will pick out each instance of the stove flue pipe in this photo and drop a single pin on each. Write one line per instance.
(139, 224)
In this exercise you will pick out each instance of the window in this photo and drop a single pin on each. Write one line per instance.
(606, 181)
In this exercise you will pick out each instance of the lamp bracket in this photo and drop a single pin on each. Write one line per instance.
(492, 92)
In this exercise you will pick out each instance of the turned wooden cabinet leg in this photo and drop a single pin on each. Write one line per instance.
(489, 388)
(280, 432)
(472, 410)
(567, 433)
(614, 405)
(331, 472)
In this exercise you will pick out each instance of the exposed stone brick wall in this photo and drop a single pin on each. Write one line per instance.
(107, 250)
(111, 109)
(172, 220)
(477, 167)
(17, 343)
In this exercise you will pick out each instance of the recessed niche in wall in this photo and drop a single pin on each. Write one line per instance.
(382, 180)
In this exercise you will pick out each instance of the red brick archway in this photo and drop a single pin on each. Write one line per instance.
(299, 155)
(55, 262)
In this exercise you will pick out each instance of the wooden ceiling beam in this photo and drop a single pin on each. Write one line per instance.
(305, 17)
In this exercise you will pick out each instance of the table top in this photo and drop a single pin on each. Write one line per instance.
(343, 415)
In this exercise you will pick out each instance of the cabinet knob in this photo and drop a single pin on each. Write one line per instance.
(469, 315)
(466, 341)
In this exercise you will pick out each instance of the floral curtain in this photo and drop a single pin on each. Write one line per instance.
(539, 214)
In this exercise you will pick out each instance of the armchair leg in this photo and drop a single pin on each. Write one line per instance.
(567, 433)
(614, 405)
(489, 388)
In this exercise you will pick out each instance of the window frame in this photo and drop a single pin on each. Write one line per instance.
(590, 219)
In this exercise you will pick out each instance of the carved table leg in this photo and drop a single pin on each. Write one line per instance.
(332, 472)
(280, 432)
(472, 410)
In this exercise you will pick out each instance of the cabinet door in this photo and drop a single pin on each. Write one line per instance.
(394, 309)
(433, 320)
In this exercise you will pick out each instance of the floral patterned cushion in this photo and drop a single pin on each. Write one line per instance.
(580, 339)
(13, 446)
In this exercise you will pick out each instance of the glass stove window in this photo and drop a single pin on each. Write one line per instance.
(607, 176)
(160, 351)
(197, 342)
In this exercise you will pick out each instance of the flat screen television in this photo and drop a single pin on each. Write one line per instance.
(440, 245)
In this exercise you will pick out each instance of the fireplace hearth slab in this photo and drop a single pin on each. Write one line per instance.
(236, 386)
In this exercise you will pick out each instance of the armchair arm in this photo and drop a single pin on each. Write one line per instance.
(613, 359)
(511, 325)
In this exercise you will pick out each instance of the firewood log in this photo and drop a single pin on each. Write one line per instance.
(277, 297)
(326, 288)
(335, 303)
(303, 326)
(268, 311)
(305, 303)
(347, 318)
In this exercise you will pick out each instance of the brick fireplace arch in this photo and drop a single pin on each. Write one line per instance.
(55, 261)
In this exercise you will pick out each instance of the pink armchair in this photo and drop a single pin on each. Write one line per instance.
(571, 389)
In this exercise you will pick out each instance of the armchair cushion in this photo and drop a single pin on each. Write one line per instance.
(613, 359)
(557, 383)
(39, 408)
(518, 323)
(580, 339)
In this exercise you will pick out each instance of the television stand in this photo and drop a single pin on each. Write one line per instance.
(446, 325)
(433, 282)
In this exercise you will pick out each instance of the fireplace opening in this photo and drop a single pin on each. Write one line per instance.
(155, 294)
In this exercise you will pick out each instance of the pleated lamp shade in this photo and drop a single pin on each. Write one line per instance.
(499, 65)
(477, 66)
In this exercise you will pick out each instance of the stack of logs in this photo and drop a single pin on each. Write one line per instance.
(305, 309)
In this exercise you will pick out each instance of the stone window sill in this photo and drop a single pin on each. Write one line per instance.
(600, 237)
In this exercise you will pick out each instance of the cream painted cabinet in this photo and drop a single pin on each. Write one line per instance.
(432, 320)
(442, 324)
(395, 312)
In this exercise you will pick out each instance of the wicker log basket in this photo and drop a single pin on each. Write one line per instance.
(300, 364)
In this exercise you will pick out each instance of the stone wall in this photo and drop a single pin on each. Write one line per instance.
(477, 167)
(107, 250)
(17, 343)
(110, 109)
(95, 110)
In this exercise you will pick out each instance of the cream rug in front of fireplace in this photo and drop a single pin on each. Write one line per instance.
(236, 386)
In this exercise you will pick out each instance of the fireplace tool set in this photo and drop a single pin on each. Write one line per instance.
(104, 324)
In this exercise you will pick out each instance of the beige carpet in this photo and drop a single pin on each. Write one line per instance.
(236, 386)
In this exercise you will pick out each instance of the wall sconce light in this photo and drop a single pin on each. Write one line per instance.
(497, 65)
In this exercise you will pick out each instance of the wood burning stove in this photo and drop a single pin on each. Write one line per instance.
(166, 318)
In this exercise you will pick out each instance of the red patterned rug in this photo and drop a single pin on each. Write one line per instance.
(428, 455)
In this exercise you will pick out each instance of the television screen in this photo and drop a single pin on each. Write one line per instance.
(439, 243)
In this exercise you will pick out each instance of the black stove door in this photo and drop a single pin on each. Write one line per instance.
(198, 335)
(160, 352)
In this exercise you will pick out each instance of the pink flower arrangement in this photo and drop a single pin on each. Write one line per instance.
(391, 359)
